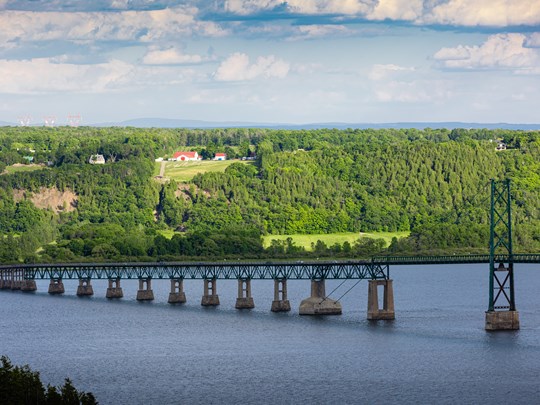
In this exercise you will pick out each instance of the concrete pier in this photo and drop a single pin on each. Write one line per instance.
(16, 277)
(114, 290)
(387, 311)
(280, 302)
(318, 303)
(85, 287)
(145, 292)
(210, 297)
(502, 320)
(28, 285)
(244, 300)
(177, 294)
(56, 286)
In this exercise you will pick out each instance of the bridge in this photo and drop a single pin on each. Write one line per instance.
(500, 316)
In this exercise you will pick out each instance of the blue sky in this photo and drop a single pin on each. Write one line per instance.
(271, 61)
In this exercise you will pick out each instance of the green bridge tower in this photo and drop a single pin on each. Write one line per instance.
(501, 313)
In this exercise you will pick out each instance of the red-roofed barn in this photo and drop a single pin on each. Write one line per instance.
(183, 156)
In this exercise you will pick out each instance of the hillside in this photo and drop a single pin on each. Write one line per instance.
(431, 184)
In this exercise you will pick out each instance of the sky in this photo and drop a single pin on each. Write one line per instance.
(270, 61)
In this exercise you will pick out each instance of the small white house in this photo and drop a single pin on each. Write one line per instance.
(159, 159)
(220, 156)
(97, 160)
(501, 146)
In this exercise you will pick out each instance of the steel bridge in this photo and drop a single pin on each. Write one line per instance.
(318, 270)
(376, 268)
(501, 312)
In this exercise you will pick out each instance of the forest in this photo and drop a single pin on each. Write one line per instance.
(432, 183)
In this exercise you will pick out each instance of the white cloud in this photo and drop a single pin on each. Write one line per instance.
(381, 72)
(499, 13)
(348, 7)
(145, 26)
(533, 40)
(317, 30)
(500, 51)
(414, 91)
(42, 75)
(237, 67)
(395, 83)
(171, 56)
(409, 10)
(55, 75)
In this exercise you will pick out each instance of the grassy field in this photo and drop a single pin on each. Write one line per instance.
(328, 238)
(185, 171)
(23, 168)
(332, 238)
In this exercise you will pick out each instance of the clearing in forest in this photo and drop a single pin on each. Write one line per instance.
(185, 171)
(331, 238)
(19, 167)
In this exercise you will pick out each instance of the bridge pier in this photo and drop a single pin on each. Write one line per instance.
(28, 285)
(114, 290)
(16, 280)
(280, 303)
(145, 292)
(244, 300)
(85, 287)
(56, 286)
(502, 320)
(387, 311)
(210, 297)
(177, 294)
(318, 303)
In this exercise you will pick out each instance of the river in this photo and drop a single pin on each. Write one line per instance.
(436, 351)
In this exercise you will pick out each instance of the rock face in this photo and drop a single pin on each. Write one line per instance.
(56, 200)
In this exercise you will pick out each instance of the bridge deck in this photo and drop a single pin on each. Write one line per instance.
(377, 268)
(224, 270)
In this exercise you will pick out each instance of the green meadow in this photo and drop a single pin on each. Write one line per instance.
(185, 171)
(23, 168)
(332, 238)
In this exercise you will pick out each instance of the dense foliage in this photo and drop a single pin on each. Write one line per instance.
(431, 182)
(21, 386)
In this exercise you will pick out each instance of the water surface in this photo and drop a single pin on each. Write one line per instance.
(436, 351)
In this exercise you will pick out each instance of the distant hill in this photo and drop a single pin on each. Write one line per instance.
(179, 123)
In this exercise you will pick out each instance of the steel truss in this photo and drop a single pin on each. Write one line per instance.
(292, 270)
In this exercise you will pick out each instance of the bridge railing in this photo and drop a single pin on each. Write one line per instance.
(457, 259)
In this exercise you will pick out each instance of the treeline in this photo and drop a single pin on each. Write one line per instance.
(19, 385)
(432, 183)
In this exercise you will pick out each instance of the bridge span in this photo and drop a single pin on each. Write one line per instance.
(376, 271)
(23, 276)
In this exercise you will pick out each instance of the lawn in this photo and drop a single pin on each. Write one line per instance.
(23, 168)
(328, 238)
(185, 171)
(332, 238)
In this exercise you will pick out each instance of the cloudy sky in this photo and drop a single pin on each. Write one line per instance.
(297, 61)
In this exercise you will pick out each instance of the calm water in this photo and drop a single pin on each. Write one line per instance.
(436, 351)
